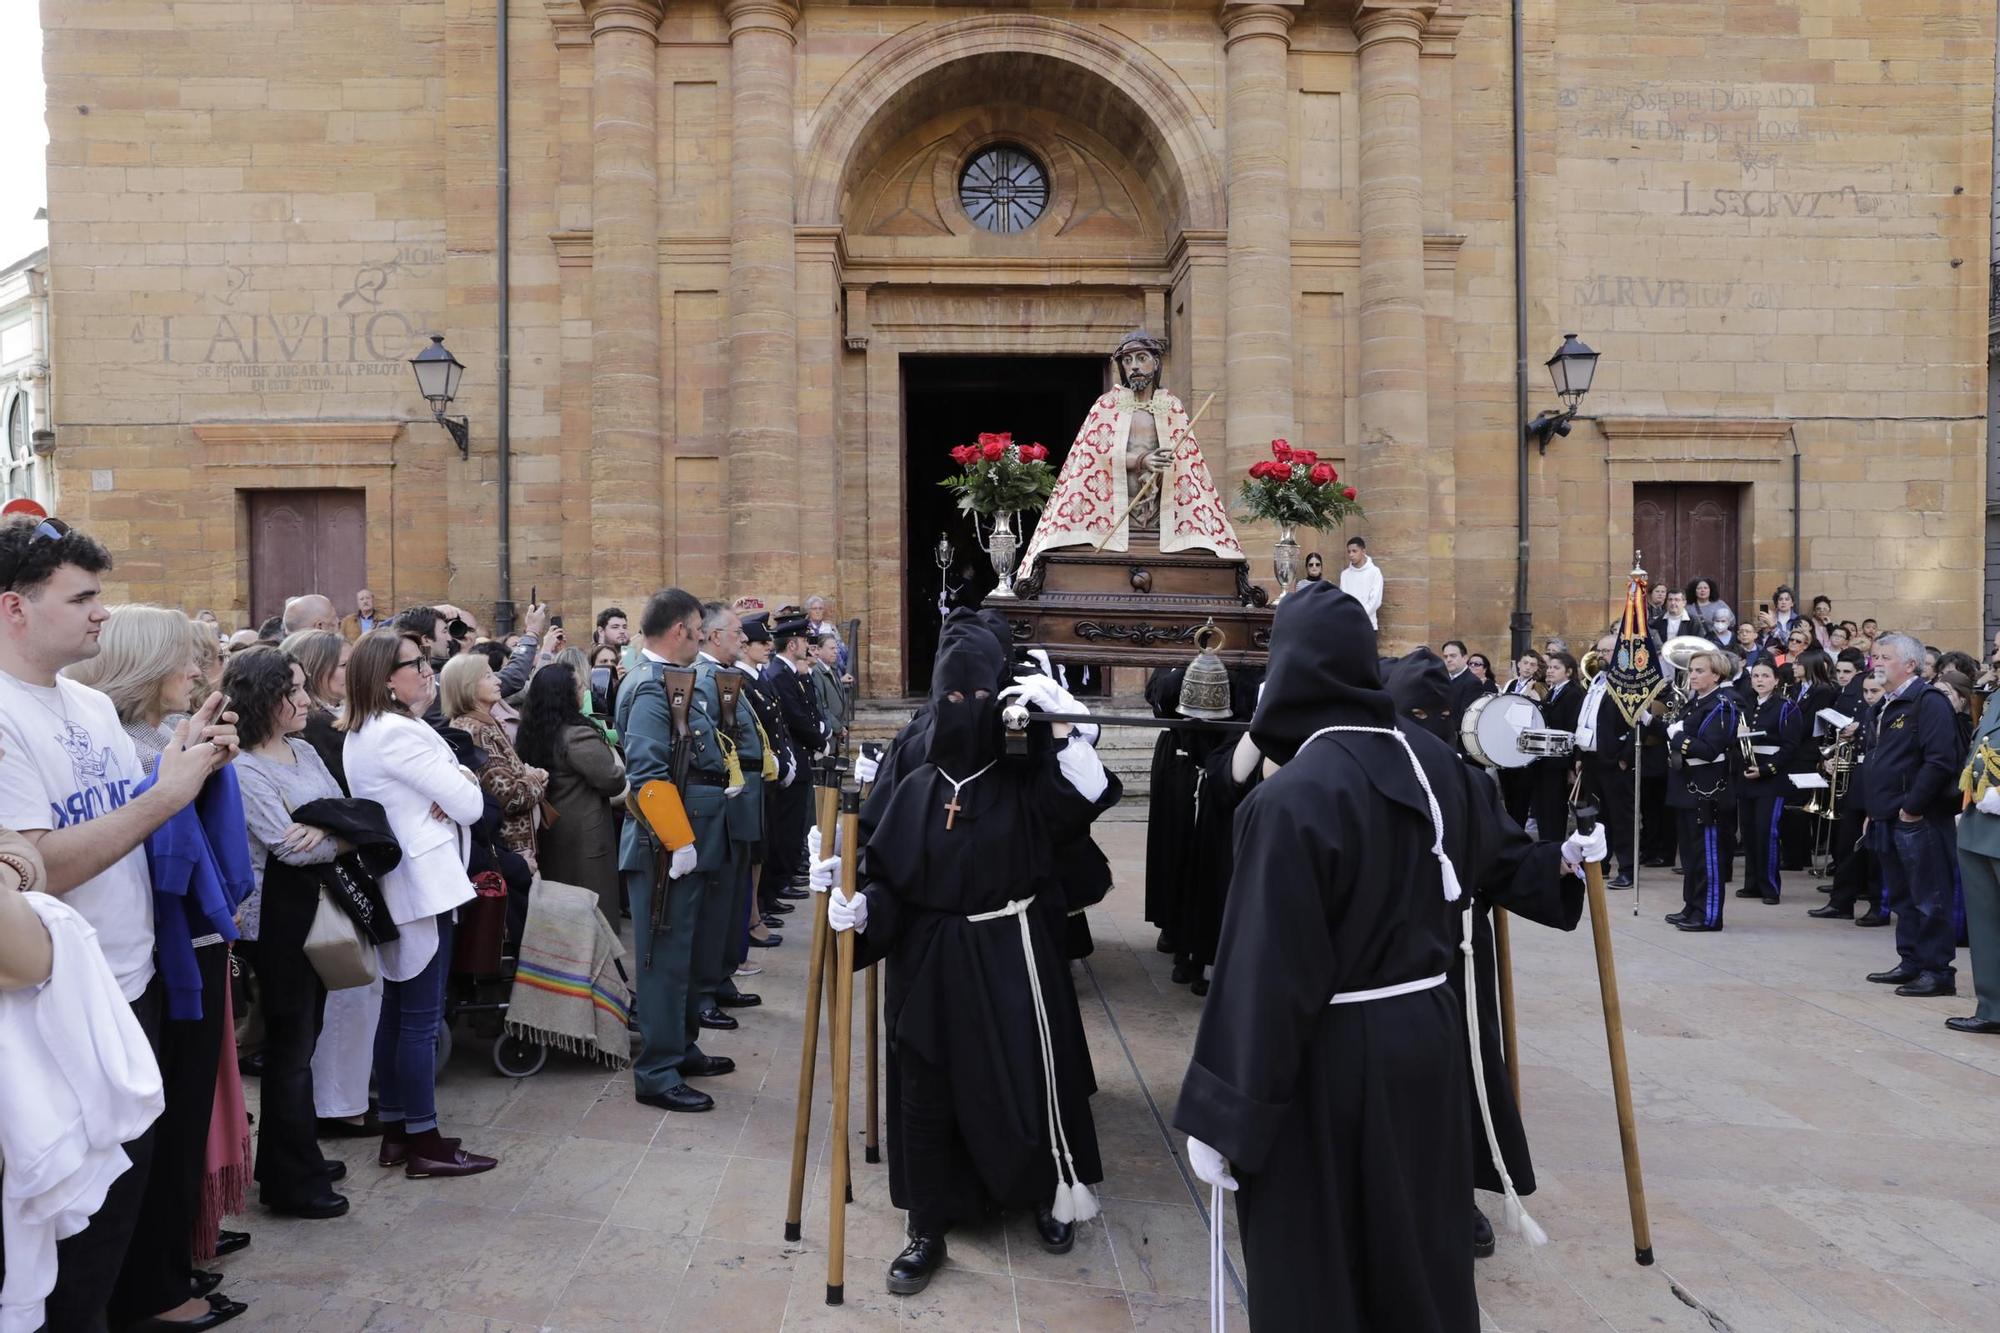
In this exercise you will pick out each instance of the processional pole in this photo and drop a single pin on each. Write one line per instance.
(827, 793)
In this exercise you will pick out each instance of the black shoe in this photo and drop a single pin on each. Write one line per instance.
(772, 921)
(1982, 1026)
(1183, 973)
(1929, 984)
(1056, 1237)
(715, 1018)
(1873, 919)
(1624, 881)
(1899, 975)
(220, 1311)
(793, 893)
(1749, 893)
(742, 999)
(1165, 944)
(1770, 900)
(1696, 926)
(782, 908)
(708, 1066)
(203, 1283)
(229, 1242)
(332, 1171)
(910, 1272)
(1675, 918)
(680, 1097)
(768, 942)
(326, 1205)
(1831, 913)
(251, 1066)
(1199, 986)
(1482, 1235)
(1657, 862)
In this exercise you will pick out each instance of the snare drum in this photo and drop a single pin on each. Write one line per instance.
(1491, 729)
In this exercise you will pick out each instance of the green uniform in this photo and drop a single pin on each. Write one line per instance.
(1979, 868)
(742, 823)
(669, 1004)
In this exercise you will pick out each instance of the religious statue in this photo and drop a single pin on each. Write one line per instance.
(1136, 452)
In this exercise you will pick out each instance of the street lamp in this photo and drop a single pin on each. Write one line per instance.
(438, 374)
(1571, 369)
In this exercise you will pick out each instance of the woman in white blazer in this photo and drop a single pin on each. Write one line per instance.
(394, 758)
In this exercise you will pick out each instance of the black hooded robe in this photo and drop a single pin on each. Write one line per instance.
(966, 1107)
(1513, 871)
(1170, 811)
(1346, 1124)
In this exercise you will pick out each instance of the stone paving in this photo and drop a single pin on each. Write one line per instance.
(1819, 1155)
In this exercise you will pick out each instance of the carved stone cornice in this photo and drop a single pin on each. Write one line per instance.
(641, 16)
(779, 16)
(1390, 20)
(1239, 21)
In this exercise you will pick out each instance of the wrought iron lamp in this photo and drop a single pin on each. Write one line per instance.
(438, 373)
(1571, 369)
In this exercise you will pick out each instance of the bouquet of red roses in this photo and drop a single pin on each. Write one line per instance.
(1000, 476)
(1292, 488)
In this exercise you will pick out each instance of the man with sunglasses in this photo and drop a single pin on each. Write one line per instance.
(67, 784)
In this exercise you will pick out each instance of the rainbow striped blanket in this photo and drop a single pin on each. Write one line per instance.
(570, 990)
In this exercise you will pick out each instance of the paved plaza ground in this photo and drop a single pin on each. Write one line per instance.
(1819, 1155)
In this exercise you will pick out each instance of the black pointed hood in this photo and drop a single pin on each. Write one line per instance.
(1419, 683)
(965, 735)
(1323, 671)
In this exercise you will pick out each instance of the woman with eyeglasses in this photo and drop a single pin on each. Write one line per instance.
(280, 772)
(395, 759)
(1480, 666)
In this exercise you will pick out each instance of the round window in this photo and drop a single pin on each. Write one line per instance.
(1004, 189)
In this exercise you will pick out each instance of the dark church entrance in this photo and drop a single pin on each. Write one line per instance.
(947, 401)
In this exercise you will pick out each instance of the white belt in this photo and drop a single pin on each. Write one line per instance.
(1765, 749)
(1697, 763)
(1073, 1202)
(1387, 992)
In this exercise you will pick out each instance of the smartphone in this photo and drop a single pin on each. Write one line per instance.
(600, 680)
(555, 622)
(1764, 607)
(533, 600)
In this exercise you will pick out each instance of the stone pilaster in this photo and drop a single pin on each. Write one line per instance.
(763, 455)
(1392, 450)
(627, 464)
(1258, 354)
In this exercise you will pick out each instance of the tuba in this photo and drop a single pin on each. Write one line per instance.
(1677, 652)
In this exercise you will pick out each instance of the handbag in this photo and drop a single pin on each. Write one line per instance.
(336, 950)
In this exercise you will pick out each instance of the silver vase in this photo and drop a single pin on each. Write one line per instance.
(1285, 560)
(1002, 545)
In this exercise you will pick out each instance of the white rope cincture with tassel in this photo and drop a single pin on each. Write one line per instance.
(1073, 1201)
(1516, 1214)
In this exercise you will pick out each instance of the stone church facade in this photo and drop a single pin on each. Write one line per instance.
(742, 231)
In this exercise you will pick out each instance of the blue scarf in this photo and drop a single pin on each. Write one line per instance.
(200, 865)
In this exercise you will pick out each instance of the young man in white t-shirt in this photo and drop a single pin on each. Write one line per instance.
(66, 781)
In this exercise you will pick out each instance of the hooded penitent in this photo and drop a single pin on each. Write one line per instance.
(965, 708)
(1421, 688)
(1323, 671)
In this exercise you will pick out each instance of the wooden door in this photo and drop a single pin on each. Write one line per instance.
(306, 541)
(1686, 531)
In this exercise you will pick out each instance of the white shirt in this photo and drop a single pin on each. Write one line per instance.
(68, 761)
(1363, 583)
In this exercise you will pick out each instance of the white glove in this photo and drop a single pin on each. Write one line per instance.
(1044, 693)
(1989, 804)
(1581, 847)
(866, 766)
(683, 862)
(1210, 1166)
(845, 913)
(812, 843)
(824, 873)
(731, 793)
(791, 771)
(1243, 760)
(1674, 730)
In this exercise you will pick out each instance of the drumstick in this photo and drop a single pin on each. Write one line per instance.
(1146, 487)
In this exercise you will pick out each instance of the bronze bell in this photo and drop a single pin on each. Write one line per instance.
(1205, 686)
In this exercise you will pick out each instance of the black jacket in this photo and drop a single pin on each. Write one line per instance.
(803, 720)
(1913, 757)
(1777, 750)
(1706, 744)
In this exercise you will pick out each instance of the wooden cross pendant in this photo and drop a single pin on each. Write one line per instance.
(951, 810)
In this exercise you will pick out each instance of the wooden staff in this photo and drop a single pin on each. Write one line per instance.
(1621, 1080)
(872, 1148)
(1503, 968)
(1152, 480)
(842, 1056)
(827, 792)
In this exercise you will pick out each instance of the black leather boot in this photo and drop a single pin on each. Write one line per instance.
(911, 1271)
(1482, 1235)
